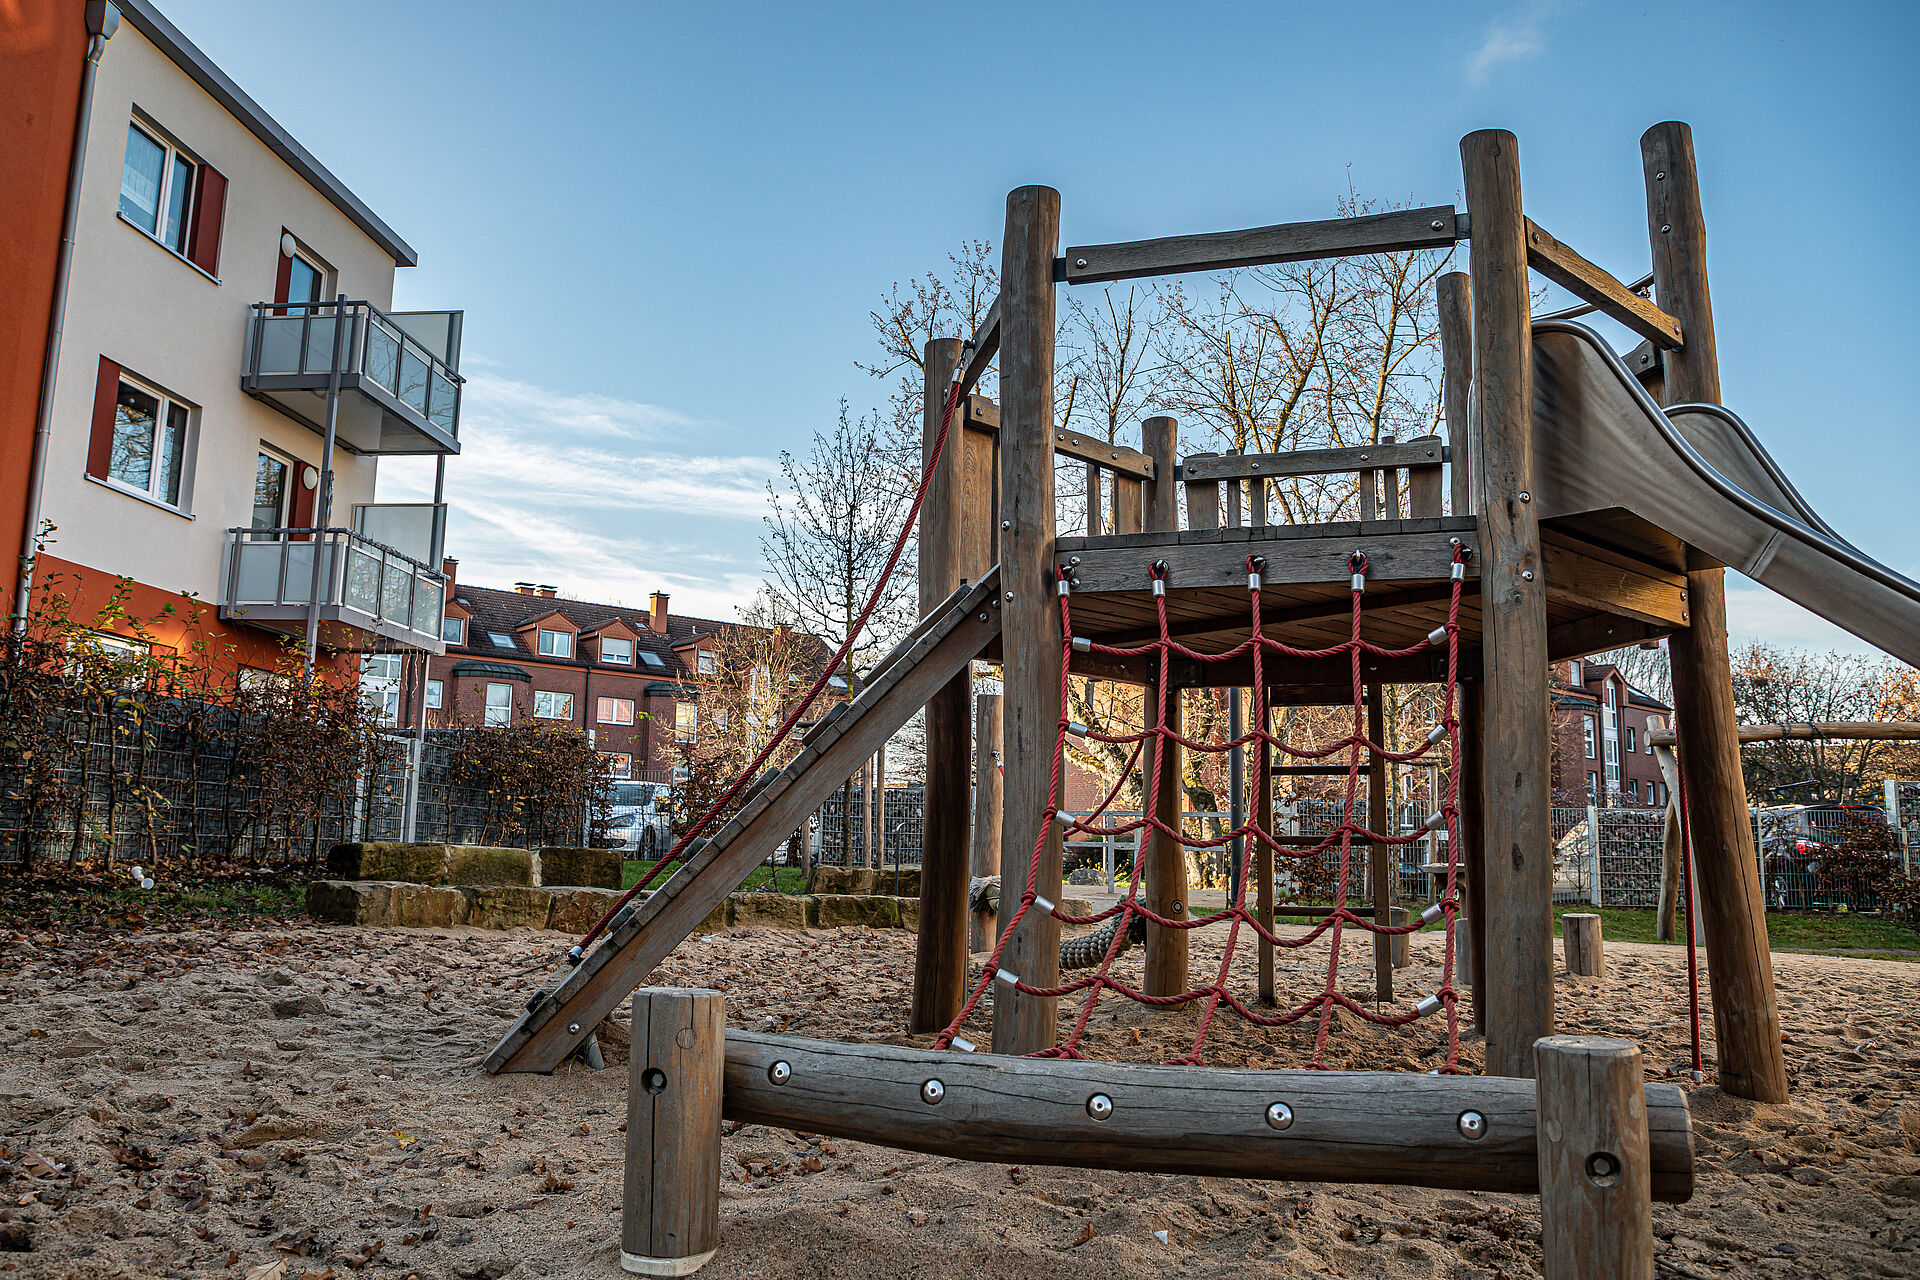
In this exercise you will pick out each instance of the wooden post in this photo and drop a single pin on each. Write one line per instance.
(1399, 917)
(1455, 299)
(1380, 856)
(1262, 855)
(1470, 945)
(1746, 1012)
(1163, 871)
(1096, 521)
(866, 810)
(1586, 955)
(880, 807)
(985, 857)
(940, 952)
(1667, 909)
(1030, 621)
(1518, 888)
(1596, 1182)
(670, 1209)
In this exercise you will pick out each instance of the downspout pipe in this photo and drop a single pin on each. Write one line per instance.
(102, 21)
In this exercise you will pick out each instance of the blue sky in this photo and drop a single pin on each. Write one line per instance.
(667, 224)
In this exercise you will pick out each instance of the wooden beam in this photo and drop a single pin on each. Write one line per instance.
(1591, 578)
(940, 953)
(1271, 617)
(1117, 458)
(1581, 278)
(1380, 876)
(1397, 551)
(1746, 1010)
(1434, 227)
(1597, 633)
(1031, 658)
(1263, 855)
(670, 1200)
(979, 350)
(1455, 301)
(985, 855)
(1163, 868)
(1427, 451)
(1518, 975)
(1470, 945)
(1391, 1127)
(1596, 1166)
(1813, 731)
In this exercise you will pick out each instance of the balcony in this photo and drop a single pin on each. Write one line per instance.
(268, 581)
(399, 388)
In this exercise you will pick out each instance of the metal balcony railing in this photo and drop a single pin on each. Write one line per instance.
(363, 583)
(407, 396)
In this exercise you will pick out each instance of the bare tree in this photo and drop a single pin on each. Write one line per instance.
(1793, 686)
(1645, 669)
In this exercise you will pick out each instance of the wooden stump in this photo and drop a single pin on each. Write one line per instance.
(1586, 955)
(1596, 1188)
(1462, 952)
(670, 1215)
(1402, 942)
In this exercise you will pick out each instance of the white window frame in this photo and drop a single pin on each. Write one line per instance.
(599, 704)
(706, 662)
(651, 659)
(501, 716)
(501, 640)
(1631, 741)
(615, 768)
(562, 639)
(1587, 732)
(554, 700)
(459, 636)
(611, 660)
(189, 447)
(434, 695)
(172, 153)
(686, 723)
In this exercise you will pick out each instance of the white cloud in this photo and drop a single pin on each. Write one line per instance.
(1755, 613)
(1514, 38)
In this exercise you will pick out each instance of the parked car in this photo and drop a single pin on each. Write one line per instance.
(638, 822)
(1793, 839)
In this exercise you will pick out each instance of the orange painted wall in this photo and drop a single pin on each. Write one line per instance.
(173, 621)
(43, 44)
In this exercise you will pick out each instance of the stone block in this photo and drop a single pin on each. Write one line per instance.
(357, 902)
(841, 910)
(716, 921)
(846, 880)
(389, 860)
(909, 886)
(507, 906)
(769, 911)
(909, 913)
(1076, 906)
(423, 906)
(478, 864)
(576, 910)
(588, 868)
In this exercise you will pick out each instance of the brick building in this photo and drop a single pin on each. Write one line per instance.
(1601, 738)
(619, 674)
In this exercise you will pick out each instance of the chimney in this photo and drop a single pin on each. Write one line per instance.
(450, 567)
(657, 612)
(547, 590)
(523, 588)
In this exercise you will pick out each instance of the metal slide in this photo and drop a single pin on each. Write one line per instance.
(559, 1018)
(1695, 471)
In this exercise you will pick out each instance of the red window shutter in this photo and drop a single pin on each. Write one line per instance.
(209, 204)
(300, 515)
(106, 398)
(284, 278)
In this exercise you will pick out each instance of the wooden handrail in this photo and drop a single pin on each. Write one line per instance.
(1813, 731)
(1435, 227)
(1425, 452)
(1584, 280)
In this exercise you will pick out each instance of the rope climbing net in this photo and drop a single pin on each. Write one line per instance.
(1237, 916)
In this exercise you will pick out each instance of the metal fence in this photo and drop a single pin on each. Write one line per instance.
(836, 843)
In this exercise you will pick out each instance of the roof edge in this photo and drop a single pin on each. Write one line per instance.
(153, 24)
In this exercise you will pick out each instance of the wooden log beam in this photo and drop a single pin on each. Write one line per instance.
(1433, 227)
(1599, 632)
(1031, 643)
(1397, 551)
(1263, 855)
(1589, 577)
(1813, 731)
(1470, 941)
(1597, 1176)
(1584, 280)
(1427, 451)
(1163, 868)
(984, 858)
(1399, 1128)
(1455, 301)
(984, 415)
(1746, 1011)
(979, 350)
(940, 953)
(670, 1201)
(1518, 974)
(1380, 859)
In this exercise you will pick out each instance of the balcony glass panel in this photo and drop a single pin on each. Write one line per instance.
(280, 343)
(413, 380)
(397, 593)
(383, 357)
(319, 354)
(429, 603)
(257, 577)
(363, 580)
(443, 406)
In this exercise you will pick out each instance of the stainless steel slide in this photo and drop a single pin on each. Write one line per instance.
(1601, 444)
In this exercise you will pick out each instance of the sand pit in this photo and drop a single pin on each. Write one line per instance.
(211, 1103)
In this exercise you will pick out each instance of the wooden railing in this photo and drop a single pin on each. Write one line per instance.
(1380, 468)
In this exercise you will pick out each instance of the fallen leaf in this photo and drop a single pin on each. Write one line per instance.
(269, 1271)
(1086, 1234)
(404, 1140)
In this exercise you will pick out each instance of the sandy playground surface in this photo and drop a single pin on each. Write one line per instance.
(292, 1102)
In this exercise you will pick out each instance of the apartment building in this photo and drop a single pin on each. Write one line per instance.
(197, 393)
(1606, 757)
(621, 675)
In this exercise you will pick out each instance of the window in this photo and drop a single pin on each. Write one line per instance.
(686, 722)
(305, 283)
(708, 663)
(257, 679)
(453, 630)
(616, 651)
(501, 640)
(1573, 673)
(556, 644)
(653, 659)
(1610, 711)
(614, 711)
(1593, 787)
(1586, 728)
(172, 197)
(271, 492)
(433, 695)
(147, 440)
(499, 704)
(552, 706)
(1630, 747)
(619, 763)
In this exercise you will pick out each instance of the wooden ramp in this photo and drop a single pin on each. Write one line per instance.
(642, 935)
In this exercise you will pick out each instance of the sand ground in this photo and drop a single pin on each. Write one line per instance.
(291, 1102)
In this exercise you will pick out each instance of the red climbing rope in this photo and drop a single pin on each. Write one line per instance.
(1237, 914)
(1686, 897)
(832, 665)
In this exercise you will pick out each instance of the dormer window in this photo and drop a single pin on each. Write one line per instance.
(556, 644)
(708, 663)
(616, 651)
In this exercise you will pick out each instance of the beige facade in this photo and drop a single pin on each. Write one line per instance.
(169, 324)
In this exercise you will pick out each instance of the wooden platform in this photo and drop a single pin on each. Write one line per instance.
(1598, 597)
